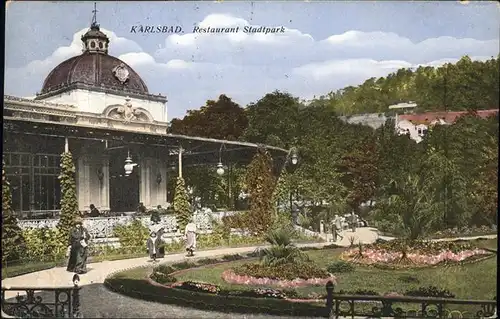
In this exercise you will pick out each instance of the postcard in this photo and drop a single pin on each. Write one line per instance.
(237, 159)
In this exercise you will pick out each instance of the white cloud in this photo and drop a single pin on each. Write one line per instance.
(191, 68)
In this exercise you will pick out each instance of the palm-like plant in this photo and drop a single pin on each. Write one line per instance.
(282, 250)
(413, 205)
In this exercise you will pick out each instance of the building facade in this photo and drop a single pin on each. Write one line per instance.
(98, 108)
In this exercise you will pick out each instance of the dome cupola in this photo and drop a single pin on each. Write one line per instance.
(94, 40)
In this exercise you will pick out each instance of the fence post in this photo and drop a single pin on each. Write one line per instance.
(76, 298)
(329, 297)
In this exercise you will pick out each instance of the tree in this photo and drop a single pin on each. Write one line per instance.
(182, 207)
(454, 87)
(69, 201)
(12, 238)
(397, 156)
(261, 183)
(221, 119)
(360, 172)
(447, 186)
(273, 120)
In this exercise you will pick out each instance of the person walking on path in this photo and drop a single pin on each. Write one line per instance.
(190, 237)
(337, 228)
(152, 246)
(77, 249)
(354, 221)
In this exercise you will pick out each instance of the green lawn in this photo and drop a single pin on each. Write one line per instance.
(470, 281)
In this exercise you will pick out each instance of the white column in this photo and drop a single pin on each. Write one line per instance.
(66, 145)
(104, 203)
(83, 184)
(145, 182)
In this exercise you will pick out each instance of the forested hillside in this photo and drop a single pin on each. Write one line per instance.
(466, 85)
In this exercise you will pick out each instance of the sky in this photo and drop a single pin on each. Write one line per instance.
(326, 45)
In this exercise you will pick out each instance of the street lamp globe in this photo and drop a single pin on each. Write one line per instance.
(128, 166)
(220, 169)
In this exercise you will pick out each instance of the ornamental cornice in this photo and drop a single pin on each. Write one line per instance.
(121, 124)
(15, 100)
(103, 89)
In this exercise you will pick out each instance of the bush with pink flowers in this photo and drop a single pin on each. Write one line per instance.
(416, 253)
(231, 277)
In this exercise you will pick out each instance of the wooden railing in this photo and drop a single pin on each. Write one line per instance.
(340, 306)
(41, 302)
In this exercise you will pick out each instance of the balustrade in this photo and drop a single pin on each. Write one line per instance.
(340, 306)
(41, 302)
(103, 227)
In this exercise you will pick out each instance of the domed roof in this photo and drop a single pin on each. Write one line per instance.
(94, 68)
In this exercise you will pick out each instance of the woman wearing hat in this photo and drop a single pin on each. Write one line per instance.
(77, 249)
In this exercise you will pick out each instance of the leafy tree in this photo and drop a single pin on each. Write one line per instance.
(397, 156)
(12, 239)
(454, 87)
(317, 179)
(273, 120)
(360, 168)
(221, 119)
(261, 183)
(447, 186)
(182, 207)
(484, 195)
(69, 201)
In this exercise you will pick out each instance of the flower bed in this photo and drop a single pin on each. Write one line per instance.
(417, 253)
(230, 277)
(282, 272)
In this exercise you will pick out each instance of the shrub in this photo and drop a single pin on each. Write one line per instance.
(256, 293)
(183, 265)
(182, 207)
(281, 272)
(132, 236)
(282, 250)
(199, 286)
(12, 239)
(69, 202)
(43, 244)
(340, 267)
(232, 257)
(164, 269)
(260, 182)
(430, 291)
(163, 278)
(208, 261)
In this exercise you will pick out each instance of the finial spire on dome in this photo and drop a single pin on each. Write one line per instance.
(94, 40)
(94, 17)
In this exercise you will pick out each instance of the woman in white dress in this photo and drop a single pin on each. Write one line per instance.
(190, 237)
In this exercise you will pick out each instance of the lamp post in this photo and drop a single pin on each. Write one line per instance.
(294, 159)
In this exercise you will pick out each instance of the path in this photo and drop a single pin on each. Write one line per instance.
(97, 301)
